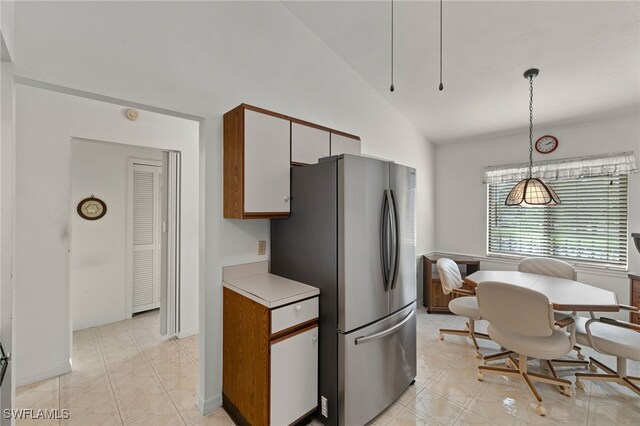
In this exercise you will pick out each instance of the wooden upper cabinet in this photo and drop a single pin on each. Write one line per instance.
(308, 144)
(344, 145)
(259, 148)
(256, 164)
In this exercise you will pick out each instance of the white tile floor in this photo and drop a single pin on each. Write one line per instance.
(125, 373)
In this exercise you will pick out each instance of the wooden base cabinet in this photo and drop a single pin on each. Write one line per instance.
(270, 360)
(635, 297)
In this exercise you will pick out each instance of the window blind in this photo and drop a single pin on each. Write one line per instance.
(589, 226)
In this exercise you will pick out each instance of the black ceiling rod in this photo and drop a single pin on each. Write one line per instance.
(441, 85)
(391, 88)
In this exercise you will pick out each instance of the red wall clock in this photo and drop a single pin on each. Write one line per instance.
(546, 144)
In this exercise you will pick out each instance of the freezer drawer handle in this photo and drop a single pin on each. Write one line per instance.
(364, 339)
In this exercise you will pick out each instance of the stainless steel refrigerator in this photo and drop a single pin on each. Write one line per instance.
(352, 233)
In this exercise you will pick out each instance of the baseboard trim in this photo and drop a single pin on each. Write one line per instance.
(233, 412)
(210, 405)
(187, 333)
(99, 322)
(42, 375)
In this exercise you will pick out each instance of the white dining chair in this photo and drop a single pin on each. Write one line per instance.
(521, 320)
(466, 305)
(550, 267)
(611, 337)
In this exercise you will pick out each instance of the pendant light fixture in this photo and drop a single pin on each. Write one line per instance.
(391, 88)
(531, 191)
(440, 87)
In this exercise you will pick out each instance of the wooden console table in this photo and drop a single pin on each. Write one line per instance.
(634, 284)
(434, 298)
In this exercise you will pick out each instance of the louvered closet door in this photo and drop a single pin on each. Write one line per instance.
(145, 262)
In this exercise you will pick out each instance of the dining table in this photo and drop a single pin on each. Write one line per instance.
(563, 294)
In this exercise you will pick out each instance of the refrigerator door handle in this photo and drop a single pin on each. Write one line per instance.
(364, 339)
(384, 238)
(393, 214)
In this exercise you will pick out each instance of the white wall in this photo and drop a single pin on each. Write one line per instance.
(98, 258)
(205, 58)
(46, 122)
(461, 208)
(6, 29)
(7, 202)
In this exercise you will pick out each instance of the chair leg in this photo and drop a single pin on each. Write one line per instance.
(563, 388)
(517, 363)
(496, 370)
(454, 332)
(570, 363)
(471, 328)
(603, 367)
(631, 385)
(619, 377)
(469, 332)
(518, 368)
(578, 349)
(635, 379)
(481, 336)
(497, 356)
(532, 388)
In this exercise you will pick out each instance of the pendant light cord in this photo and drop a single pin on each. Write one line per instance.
(530, 126)
(391, 88)
(441, 86)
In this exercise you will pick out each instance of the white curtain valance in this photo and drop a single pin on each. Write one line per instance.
(571, 168)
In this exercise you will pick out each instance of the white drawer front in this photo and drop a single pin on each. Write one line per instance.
(296, 313)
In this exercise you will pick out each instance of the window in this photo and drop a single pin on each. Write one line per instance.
(590, 225)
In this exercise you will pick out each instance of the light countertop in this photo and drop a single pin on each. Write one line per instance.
(267, 289)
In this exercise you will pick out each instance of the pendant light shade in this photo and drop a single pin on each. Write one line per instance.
(532, 191)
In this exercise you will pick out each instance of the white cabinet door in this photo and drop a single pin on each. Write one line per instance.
(266, 163)
(308, 144)
(294, 377)
(343, 145)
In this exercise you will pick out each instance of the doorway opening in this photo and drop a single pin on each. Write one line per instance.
(128, 261)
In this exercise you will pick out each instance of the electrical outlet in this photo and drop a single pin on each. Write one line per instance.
(262, 248)
(325, 407)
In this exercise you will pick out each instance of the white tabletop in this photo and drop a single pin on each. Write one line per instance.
(565, 295)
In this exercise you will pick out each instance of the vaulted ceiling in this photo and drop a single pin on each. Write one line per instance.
(588, 54)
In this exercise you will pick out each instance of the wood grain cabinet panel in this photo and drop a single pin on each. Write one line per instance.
(634, 284)
(269, 377)
(256, 164)
(246, 363)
